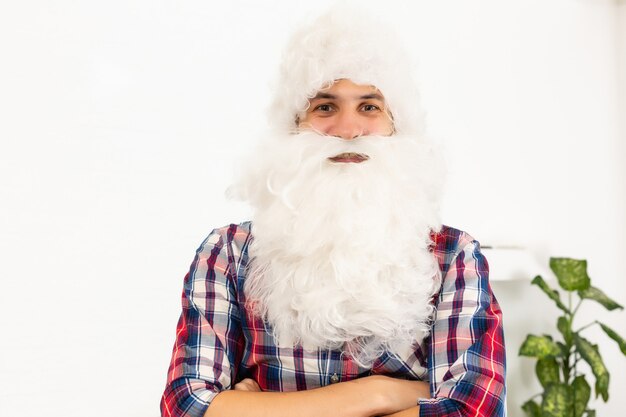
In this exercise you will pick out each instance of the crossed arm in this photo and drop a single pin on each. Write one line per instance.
(370, 396)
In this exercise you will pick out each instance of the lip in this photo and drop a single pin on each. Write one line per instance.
(349, 157)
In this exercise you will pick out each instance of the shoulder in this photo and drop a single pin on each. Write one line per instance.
(223, 250)
(233, 237)
(448, 239)
(449, 242)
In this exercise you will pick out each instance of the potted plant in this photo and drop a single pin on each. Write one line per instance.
(566, 391)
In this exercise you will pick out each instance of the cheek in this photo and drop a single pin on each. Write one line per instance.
(380, 126)
(321, 125)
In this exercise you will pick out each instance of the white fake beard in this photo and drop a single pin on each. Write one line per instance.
(340, 252)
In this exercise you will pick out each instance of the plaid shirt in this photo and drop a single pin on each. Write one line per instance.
(218, 343)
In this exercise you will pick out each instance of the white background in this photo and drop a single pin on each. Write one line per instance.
(122, 122)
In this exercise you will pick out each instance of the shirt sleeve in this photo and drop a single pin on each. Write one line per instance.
(467, 357)
(209, 341)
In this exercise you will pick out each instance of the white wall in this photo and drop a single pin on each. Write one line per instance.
(121, 123)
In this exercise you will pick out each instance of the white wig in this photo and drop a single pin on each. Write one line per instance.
(341, 252)
(346, 43)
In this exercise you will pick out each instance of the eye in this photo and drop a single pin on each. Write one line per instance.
(326, 107)
(369, 107)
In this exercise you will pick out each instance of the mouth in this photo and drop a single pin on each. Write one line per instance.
(349, 157)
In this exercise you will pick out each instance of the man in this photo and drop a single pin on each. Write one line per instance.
(345, 295)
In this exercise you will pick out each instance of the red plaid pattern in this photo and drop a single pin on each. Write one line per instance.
(218, 343)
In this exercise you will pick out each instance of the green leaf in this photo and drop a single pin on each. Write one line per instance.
(593, 358)
(593, 293)
(564, 326)
(581, 392)
(611, 333)
(571, 273)
(531, 408)
(591, 413)
(539, 347)
(553, 294)
(547, 370)
(557, 401)
(602, 387)
(564, 349)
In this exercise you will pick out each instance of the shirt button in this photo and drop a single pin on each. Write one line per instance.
(334, 379)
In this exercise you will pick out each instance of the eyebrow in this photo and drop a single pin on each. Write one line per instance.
(322, 95)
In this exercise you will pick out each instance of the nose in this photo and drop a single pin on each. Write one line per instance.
(347, 126)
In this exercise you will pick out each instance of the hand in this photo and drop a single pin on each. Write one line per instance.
(247, 384)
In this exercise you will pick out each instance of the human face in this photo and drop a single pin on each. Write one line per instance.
(348, 110)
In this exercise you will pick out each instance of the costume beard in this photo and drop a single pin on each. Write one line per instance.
(340, 253)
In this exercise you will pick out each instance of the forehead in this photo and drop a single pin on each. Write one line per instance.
(345, 88)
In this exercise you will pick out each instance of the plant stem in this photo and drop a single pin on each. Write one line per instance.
(576, 359)
(571, 324)
(566, 361)
(569, 301)
(587, 325)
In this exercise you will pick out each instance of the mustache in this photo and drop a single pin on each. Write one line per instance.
(349, 156)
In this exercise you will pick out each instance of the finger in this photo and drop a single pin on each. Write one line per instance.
(247, 385)
(242, 386)
(254, 386)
